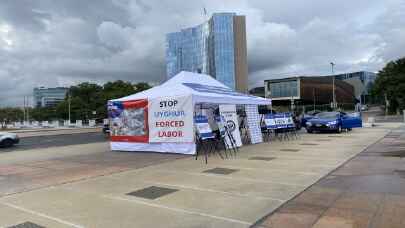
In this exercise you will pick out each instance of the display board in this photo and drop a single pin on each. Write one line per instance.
(278, 121)
(253, 123)
(202, 127)
(231, 119)
(171, 119)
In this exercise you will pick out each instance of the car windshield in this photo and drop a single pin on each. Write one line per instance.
(327, 115)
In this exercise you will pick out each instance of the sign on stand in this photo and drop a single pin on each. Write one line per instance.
(202, 126)
(231, 121)
(253, 122)
(171, 119)
(278, 121)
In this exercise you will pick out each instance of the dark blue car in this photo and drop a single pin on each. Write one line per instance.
(333, 122)
(307, 116)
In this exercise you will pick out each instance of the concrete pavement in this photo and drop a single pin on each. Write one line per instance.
(246, 191)
(368, 191)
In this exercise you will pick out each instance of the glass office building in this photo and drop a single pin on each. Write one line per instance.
(49, 97)
(366, 78)
(216, 47)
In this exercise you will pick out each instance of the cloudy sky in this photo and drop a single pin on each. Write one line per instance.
(59, 43)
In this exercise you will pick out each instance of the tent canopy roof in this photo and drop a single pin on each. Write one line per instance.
(203, 89)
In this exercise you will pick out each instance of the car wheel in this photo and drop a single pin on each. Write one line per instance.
(309, 131)
(7, 143)
(349, 129)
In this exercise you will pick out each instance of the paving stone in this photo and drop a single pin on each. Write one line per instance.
(290, 150)
(361, 201)
(259, 158)
(26, 225)
(290, 220)
(344, 218)
(152, 192)
(294, 206)
(219, 170)
(319, 196)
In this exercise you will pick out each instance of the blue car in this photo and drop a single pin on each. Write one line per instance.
(333, 122)
(307, 116)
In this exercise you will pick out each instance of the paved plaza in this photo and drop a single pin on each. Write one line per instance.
(89, 186)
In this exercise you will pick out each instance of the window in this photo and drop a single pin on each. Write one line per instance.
(283, 89)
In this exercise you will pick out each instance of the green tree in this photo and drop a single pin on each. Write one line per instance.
(86, 98)
(390, 83)
(43, 113)
(8, 115)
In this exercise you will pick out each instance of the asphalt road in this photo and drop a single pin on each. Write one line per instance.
(37, 142)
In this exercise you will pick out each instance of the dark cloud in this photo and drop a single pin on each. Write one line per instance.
(59, 43)
(24, 14)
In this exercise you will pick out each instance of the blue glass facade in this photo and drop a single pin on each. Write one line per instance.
(224, 49)
(49, 97)
(207, 48)
(367, 79)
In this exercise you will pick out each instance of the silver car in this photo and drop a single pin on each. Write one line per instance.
(8, 139)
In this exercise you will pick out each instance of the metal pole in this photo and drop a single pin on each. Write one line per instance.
(314, 98)
(69, 107)
(28, 110)
(333, 86)
(24, 110)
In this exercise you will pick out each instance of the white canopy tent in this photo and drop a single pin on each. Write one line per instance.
(194, 89)
(177, 86)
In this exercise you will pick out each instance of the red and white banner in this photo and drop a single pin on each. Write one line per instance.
(171, 120)
(129, 121)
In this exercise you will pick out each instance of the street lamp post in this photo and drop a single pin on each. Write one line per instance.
(334, 105)
(313, 94)
(69, 107)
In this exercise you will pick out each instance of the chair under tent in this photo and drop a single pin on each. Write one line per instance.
(209, 141)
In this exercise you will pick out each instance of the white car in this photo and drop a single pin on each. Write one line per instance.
(8, 139)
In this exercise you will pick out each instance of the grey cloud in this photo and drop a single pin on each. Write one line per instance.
(58, 43)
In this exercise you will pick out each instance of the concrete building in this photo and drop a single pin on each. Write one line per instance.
(49, 97)
(216, 47)
(306, 90)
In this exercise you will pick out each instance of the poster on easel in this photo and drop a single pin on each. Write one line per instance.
(228, 112)
(253, 122)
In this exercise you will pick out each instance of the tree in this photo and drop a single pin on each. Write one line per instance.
(141, 86)
(390, 83)
(86, 98)
(8, 115)
(43, 113)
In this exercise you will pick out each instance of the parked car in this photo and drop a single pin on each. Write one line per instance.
(333, 122)
(307, 116)
(8, 139)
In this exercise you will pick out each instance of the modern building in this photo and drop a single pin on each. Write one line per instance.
(307, 90)
(362, 82)
(49, 97)
(257, 91)
(216, 47)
